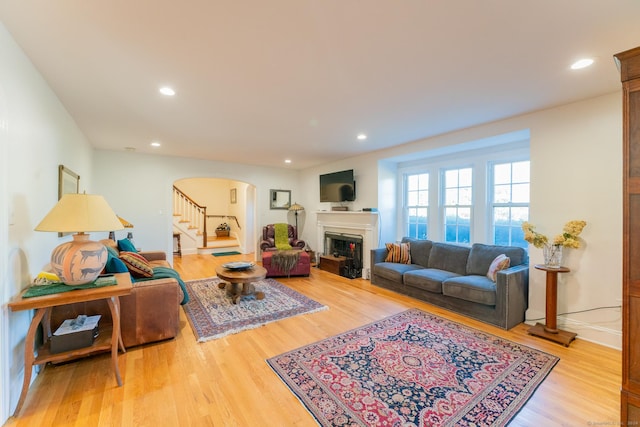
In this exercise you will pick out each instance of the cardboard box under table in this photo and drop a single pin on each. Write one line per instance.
(71, 336)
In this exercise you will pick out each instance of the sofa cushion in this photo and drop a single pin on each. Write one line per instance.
(428, 279)
(448, 257)
(420, 250)
(472, 288)
(398, 253)
(392, 270)
(500, 263)
(137, 264)
(481, 256)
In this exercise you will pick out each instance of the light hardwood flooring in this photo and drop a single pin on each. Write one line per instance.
(226, 382)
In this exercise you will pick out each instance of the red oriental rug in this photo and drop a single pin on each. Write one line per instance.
(413, 369)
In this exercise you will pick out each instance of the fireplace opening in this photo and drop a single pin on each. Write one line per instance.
(348, 246)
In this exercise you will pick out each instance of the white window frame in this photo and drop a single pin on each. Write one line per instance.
(479, 159)
(406, 206)
(490, 186)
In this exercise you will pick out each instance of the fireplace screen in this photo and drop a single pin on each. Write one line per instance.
(348, 246)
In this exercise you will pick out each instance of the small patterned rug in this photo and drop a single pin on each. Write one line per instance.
(213, 315)
(413, 369)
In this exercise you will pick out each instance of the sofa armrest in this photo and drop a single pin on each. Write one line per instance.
(512, 293)
(300, 244)
(154, 255)
(267, 244)
(378, 255)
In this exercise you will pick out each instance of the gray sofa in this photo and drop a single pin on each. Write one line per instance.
(454, 277)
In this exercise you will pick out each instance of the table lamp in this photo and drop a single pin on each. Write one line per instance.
(125, 224)
(296, 208)
(82, 260)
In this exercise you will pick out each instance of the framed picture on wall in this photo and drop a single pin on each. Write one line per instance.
(234, 196)
(68, 182)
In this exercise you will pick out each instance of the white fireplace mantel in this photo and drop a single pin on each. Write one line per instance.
(351, 222)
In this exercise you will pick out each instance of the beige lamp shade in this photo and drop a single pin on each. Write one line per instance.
(80, 213)
(80, 261)
(125, 223)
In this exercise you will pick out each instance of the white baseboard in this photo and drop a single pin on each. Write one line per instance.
(588, 331)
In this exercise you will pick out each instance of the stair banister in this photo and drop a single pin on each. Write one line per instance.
(191, 211)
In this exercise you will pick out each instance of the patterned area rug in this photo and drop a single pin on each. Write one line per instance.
(213, 315)
(413, 369)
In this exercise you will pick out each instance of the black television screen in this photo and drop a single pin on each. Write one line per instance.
(338, 187)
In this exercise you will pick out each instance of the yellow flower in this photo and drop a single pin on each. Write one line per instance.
(568, 238)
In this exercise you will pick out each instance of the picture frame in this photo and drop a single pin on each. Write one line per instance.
(68, 183)
(233, 196)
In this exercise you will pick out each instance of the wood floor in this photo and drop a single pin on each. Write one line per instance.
(226, 382)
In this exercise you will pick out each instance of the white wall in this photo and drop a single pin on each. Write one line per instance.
(139, 188)
(37, 134)
(576, 173)
(576, 154)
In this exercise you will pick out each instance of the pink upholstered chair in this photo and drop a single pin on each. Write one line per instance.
(268, 242)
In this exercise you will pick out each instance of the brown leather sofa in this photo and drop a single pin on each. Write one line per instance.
(150, 313)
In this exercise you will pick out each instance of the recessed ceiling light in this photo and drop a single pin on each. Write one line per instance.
(287, 161)
(583, 63)
(155, 144)
(362, 136)
(166, 90)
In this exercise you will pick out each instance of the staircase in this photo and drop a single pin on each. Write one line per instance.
(191, 239)
(190, 220)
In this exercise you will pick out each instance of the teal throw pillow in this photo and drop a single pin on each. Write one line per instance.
(125, 245)
(115, 265)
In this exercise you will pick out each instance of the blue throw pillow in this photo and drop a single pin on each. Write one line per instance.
(125, 245)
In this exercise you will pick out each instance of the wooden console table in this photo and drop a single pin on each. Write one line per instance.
(550, 330)
(108, 339)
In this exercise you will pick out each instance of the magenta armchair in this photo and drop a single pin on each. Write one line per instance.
(268, 242)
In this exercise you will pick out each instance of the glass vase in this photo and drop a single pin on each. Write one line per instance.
(552, 256)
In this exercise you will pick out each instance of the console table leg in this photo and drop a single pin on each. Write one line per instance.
(29, 357)
(114, 306)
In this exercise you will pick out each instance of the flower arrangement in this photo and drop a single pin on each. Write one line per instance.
(568, 238)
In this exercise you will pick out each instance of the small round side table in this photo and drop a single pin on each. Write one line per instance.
(550, 329)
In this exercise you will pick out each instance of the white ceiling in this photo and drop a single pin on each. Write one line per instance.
(260, 81)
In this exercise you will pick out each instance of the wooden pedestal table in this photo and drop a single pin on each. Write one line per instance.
(108, 338)
(550, 330)
(240, 281)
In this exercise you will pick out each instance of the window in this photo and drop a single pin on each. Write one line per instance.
(510, 202)
(473, 193)
(458, 191)
(417, 204)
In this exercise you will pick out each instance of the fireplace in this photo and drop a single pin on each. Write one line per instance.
(348, 246)
(354, 223)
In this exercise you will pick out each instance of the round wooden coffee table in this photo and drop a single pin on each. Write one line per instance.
(240, 281)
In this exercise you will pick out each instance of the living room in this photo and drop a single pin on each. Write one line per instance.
(576, 162)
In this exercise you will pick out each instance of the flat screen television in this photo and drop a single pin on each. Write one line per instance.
(338, 187)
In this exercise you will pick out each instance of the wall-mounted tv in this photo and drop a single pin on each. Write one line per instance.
(338, 187)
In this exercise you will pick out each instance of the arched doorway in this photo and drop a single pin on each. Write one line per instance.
(201, 205)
